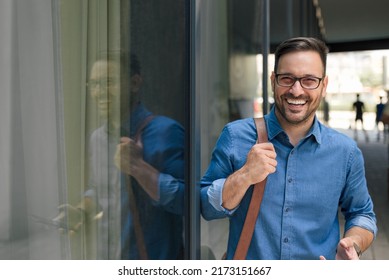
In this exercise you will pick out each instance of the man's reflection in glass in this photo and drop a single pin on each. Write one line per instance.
(136, 175)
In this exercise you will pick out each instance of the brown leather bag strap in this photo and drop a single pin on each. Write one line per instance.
(255, 202)
(142, 125)
(139, 234)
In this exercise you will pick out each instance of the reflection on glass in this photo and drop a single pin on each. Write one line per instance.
(134, 203)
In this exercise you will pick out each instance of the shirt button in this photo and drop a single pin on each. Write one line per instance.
(290, 180)
(287, 210)
(286, 240)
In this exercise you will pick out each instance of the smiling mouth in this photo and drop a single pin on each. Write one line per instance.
(296, 101)
(104, 103)
(104, 106)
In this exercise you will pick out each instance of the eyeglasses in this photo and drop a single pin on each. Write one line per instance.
(308, 82)
(102, 84)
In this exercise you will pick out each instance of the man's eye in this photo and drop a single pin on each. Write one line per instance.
(287, 79)
(309, 81)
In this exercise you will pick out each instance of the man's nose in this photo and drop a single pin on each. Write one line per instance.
(297, 89)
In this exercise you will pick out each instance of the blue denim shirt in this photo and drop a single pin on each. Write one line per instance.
(298, 218)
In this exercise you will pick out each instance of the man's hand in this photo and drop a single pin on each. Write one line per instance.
(345, 250)
(261, 161)
(71, 218)
(128, 154)
(129, 160)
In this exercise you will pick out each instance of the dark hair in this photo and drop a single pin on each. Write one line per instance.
(301, 44)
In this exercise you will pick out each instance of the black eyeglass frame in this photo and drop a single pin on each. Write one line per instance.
(295, 79)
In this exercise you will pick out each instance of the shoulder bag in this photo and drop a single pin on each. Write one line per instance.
(255, 202)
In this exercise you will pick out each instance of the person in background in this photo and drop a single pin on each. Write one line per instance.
(312, 171)
(359, 108)
(379, 109)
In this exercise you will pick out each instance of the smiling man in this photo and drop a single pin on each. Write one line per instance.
(311, 170)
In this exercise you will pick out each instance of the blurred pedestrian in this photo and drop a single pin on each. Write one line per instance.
(379, 110)
(359, 108)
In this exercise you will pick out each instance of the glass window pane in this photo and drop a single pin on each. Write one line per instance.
(228, 80)
(125, 94)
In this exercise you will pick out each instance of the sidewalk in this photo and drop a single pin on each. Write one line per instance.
(376, 164)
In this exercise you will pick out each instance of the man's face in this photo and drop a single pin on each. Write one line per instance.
(294, 104)
(104, 87)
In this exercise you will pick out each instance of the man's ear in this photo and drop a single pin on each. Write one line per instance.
(135, 82)
(325, 83)
(272, 79)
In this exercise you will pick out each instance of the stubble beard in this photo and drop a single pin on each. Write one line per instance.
(291, 118)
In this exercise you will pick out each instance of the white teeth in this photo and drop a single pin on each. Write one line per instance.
(296, 101)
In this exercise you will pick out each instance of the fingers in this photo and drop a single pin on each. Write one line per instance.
(98, 216)
(265, 149)
(261, 161)
(264, 153)
(69, 220)
(60, 216)
(127, 145)
(346, 243)
(270, 166)
(346, 250)
(124, 145)
(266, 146)
(127, 140)
(124, 140)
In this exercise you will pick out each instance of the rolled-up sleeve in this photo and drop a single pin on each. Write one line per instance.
(211, 201)
(356, 203)
(212, 182)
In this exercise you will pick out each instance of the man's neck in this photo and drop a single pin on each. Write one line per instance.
(297, 131)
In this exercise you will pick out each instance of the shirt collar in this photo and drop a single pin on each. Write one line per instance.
(274, 128)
